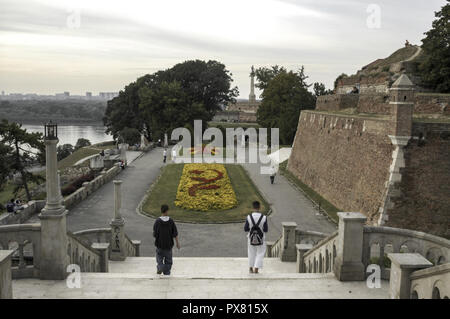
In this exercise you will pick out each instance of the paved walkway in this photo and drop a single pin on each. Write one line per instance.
(220, 240)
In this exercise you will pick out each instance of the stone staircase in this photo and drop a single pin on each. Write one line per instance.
(195, 278)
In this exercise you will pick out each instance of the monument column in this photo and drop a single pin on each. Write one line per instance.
(252, 96)
(54, 259)
(117, 226)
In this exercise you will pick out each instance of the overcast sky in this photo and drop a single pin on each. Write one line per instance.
(52, 46)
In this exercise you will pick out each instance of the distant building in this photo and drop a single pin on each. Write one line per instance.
(88, 95)
(108, 95)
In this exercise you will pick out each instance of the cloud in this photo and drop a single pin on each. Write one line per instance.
(121, 40)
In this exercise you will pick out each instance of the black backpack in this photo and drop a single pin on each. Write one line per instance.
(256, 234)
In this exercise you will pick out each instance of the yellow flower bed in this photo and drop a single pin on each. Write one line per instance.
(205, 187)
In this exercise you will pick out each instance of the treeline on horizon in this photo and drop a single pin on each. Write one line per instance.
(64, 111)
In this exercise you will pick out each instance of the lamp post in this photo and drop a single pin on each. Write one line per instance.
(54, 258)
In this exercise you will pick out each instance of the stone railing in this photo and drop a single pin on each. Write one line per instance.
(380, 241)
(88, 258)
(287, 247)
(414, 277)
(274, 248)
(89, 187)
(132, 247)
(103, 235)
(25, 242)
(21, 216)
(5, 274)
(431, 283)
(319, 258)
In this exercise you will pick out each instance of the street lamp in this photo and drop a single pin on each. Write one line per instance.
(51, 131)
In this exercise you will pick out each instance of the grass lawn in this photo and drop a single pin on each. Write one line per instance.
(325, 205)
(165, 191)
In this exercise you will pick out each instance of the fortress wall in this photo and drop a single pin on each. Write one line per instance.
(432, 103)
(374, 103)
(335, 102)
(345, 159)
(378, 103)
(425, 188)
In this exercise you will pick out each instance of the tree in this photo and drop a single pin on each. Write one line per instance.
(19, 142)
(264, 75)
(82, 142)
(319, 89)
(435, 68)
(283, 99)
(64, 150)
(130, 136)
(5, 169)
(171, 98)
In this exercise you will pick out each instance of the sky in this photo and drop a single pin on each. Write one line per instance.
(51, 46)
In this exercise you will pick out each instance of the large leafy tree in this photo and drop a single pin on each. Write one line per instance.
(435, 68)
(320, 89)
(283, 99)
(171, 98)
(18, 143)
(5, 151)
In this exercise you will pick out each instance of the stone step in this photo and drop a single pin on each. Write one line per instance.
(135, 285)
(202, 266)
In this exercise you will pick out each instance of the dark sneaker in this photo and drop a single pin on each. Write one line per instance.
(159, 272)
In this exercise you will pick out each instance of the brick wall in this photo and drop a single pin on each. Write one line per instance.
(345, 159)
(425, 187)
(431, 103)
(374, 103)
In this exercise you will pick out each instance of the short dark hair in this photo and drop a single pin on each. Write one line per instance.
(164, 208)
(12, 200)
(256, 204)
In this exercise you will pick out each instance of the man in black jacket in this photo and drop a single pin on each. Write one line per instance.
(164, 231)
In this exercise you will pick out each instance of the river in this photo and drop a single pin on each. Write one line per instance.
(69, 134)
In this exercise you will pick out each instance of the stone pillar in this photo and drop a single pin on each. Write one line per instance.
(348, 265)
(54, 259)
(395, 177)
(302, 249)
(5, 274)
(288, 250)
(117, 226)
(137, 247)
(103, 249)
(402, 265)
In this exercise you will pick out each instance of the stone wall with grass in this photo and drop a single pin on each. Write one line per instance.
(345, 159)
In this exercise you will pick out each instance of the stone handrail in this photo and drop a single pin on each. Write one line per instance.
(433, 248)
(5, 274)
(83, 255)
(23, 239)
(274, 248)
(132, 247)
(95, 235)
(320, 258)
(89, 187)
(309, 237)
(431, 283)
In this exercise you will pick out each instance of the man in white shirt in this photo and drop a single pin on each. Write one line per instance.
(256, 226)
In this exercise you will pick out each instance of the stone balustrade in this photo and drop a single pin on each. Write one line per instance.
(29, 209)
(86, 257)
(431, 283)
(320, 259)
(89, 187)
(379, 241)
(25, 241)
(5, 274)
(132, 247)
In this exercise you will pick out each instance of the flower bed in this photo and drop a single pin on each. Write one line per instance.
(205, 187)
